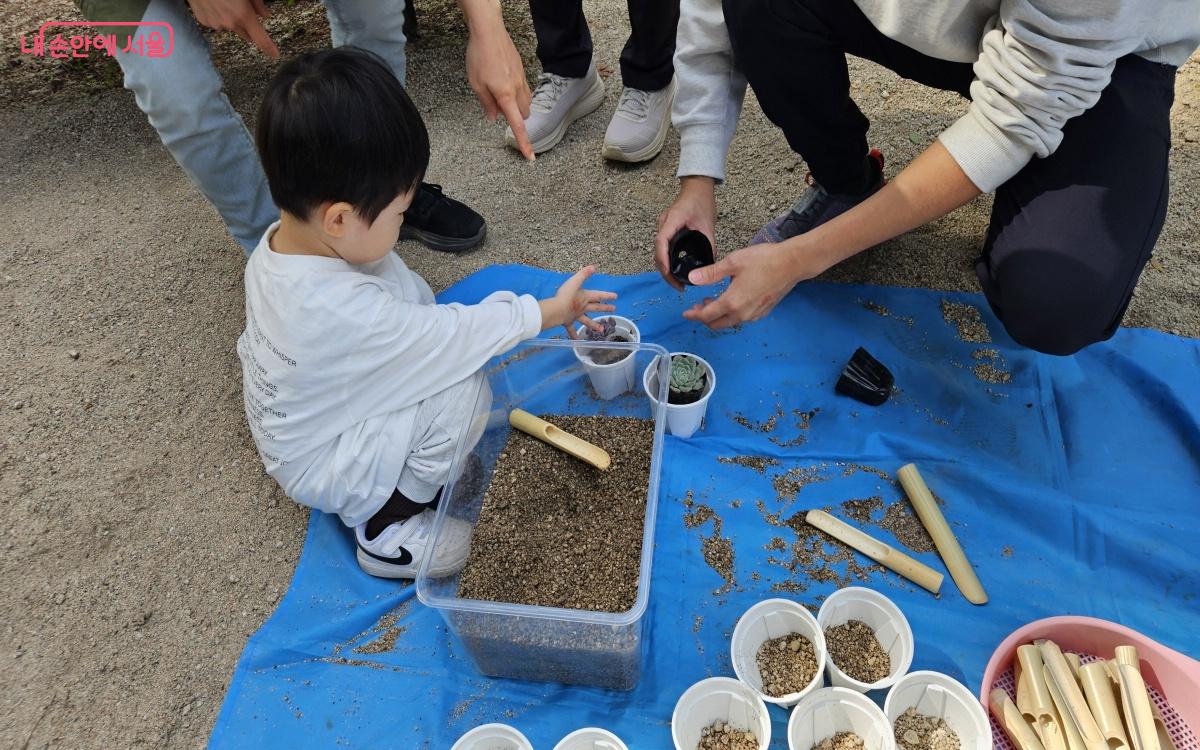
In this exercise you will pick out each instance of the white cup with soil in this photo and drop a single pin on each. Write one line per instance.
(591, 738)
(868, 641)
(493, 737)
(720, 713)
(692, 382)
(932, 711)
(838, 719)
(778, 649)
(612, 370)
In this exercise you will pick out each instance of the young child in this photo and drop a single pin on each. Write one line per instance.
(358, 387)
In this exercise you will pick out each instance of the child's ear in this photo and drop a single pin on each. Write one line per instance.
(336, 218)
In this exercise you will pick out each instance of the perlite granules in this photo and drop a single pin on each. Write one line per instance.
(787, 664)
(722, 736)
(857, 652)
(841, 741)
(916, 731)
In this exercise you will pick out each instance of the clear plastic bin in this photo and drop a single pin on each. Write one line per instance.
(549, 644)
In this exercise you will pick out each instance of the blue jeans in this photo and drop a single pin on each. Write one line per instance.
(182, 97)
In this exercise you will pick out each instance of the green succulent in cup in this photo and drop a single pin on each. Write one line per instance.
(688, 376)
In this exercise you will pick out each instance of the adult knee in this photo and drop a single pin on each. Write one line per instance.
(1052, 302)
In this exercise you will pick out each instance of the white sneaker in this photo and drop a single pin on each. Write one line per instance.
(399, 549)
(557, 102)
(640, 124)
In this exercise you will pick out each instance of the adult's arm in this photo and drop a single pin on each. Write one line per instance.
(1038, 67)
(708, 103)
(932, 186)
(494, 69)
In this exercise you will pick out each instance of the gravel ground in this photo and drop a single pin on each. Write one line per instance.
(141, 542)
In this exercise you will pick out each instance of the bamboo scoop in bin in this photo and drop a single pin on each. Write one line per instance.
(564, 441)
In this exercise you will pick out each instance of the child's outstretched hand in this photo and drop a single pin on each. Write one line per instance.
(572, 302)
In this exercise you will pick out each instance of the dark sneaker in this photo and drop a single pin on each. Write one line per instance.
(441, 223)
(818, 206)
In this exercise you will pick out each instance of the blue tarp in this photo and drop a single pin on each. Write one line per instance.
(1074, 488)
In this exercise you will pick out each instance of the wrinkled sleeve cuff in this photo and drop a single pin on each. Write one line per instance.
(988, 155)
(702, 151)
(532, 315)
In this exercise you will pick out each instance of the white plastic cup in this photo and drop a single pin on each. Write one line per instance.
(721, 699)
(493, 737)
(682, 419)
(591, 738)
(613, 379)
(825, 712)
(769, 619)
(942, 697)
(881, 615)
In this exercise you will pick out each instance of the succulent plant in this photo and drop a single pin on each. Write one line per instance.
(687, 374)
(607, 329)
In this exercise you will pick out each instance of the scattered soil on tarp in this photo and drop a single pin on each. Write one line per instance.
(991, 367)
(968, 320)
(787, 664)
(916, 731)
(717, 549)
(841, 741)
(788, 484)
(557, 532)
(765, 427)
(814, 554)
(803, 422)
(722, 736)
(757, 463)
(884, 312)
(861, 509)
(379, 638)
(900, 519)
(857, 652)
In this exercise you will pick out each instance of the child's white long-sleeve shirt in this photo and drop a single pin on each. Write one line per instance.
(336, 358)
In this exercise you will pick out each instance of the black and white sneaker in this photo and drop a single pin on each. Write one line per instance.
(441, 223)
(399, 549)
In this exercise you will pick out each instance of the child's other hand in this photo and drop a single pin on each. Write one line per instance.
(571, 303)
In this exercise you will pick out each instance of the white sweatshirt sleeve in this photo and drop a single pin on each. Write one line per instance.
(710, 90)
(1041, 64)
(414, 351)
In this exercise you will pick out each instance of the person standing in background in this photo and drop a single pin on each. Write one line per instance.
(570, 87)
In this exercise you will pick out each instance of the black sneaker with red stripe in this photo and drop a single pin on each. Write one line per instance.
(818, 206)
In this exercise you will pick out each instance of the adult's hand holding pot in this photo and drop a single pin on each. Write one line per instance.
(694, 208)
(760, 275)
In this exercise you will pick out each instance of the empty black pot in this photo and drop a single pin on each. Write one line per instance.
(688, 250)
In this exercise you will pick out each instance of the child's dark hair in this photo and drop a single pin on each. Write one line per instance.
(336, 125)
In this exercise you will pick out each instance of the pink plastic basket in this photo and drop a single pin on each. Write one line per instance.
(1173, 678)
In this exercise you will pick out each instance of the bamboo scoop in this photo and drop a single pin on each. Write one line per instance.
(1070, 728)
(1037, 705)
(564, 441)
(1074, 708)
(1013, 723)
(943, 538)
(919, 573)
(1135, 700)
(1097, 688)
